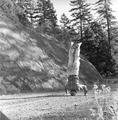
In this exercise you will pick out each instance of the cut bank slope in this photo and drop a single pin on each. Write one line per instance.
(31, 61)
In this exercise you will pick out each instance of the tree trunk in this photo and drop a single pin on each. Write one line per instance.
(81, 26)
(81, 29)
(108, 28)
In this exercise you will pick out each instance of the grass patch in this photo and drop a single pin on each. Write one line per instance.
(102, 107)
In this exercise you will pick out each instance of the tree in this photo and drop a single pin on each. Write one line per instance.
(96, 49)
(27, 7)
(37, 12)
(81, 15)
(45, 17)
(24, 11)
(48, 13)
(30, 11)
(64, 21)
(104, 10)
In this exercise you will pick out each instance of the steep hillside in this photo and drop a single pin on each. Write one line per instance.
(31, 61)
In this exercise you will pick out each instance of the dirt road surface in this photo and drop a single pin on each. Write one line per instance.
(44, 106)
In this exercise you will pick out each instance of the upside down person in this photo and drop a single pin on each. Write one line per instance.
(73, 68)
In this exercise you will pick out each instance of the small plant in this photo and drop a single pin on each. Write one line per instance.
(106, 106)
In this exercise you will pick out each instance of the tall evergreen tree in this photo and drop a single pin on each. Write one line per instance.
(81, 15)
(64, 21)
(106, 17)
(67, 31)
(29, 9)
(37, 12)
(48, 13)
(96, 49)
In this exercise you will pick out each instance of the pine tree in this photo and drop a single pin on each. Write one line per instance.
(64, 21)
(67, 31)
(31, 10)
(48, 13)
(81, 15)
(27, 9)
(106, 17)
(96, 49)
(37, 13)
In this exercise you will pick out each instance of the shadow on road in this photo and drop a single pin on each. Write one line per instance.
(3, 117)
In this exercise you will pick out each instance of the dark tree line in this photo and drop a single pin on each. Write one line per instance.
(97, 34)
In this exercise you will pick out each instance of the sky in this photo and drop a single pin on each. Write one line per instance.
(62, 6)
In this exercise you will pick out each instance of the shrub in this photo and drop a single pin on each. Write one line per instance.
(106, 107)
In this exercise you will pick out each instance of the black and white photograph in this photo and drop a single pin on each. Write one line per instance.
(58, 60)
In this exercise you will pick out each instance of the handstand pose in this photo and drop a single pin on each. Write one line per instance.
(73, 69)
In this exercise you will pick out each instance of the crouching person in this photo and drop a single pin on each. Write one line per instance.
(73, 68)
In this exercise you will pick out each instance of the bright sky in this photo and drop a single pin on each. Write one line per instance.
(62, 6)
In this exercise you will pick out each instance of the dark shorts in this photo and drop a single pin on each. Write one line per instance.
(72, 82)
